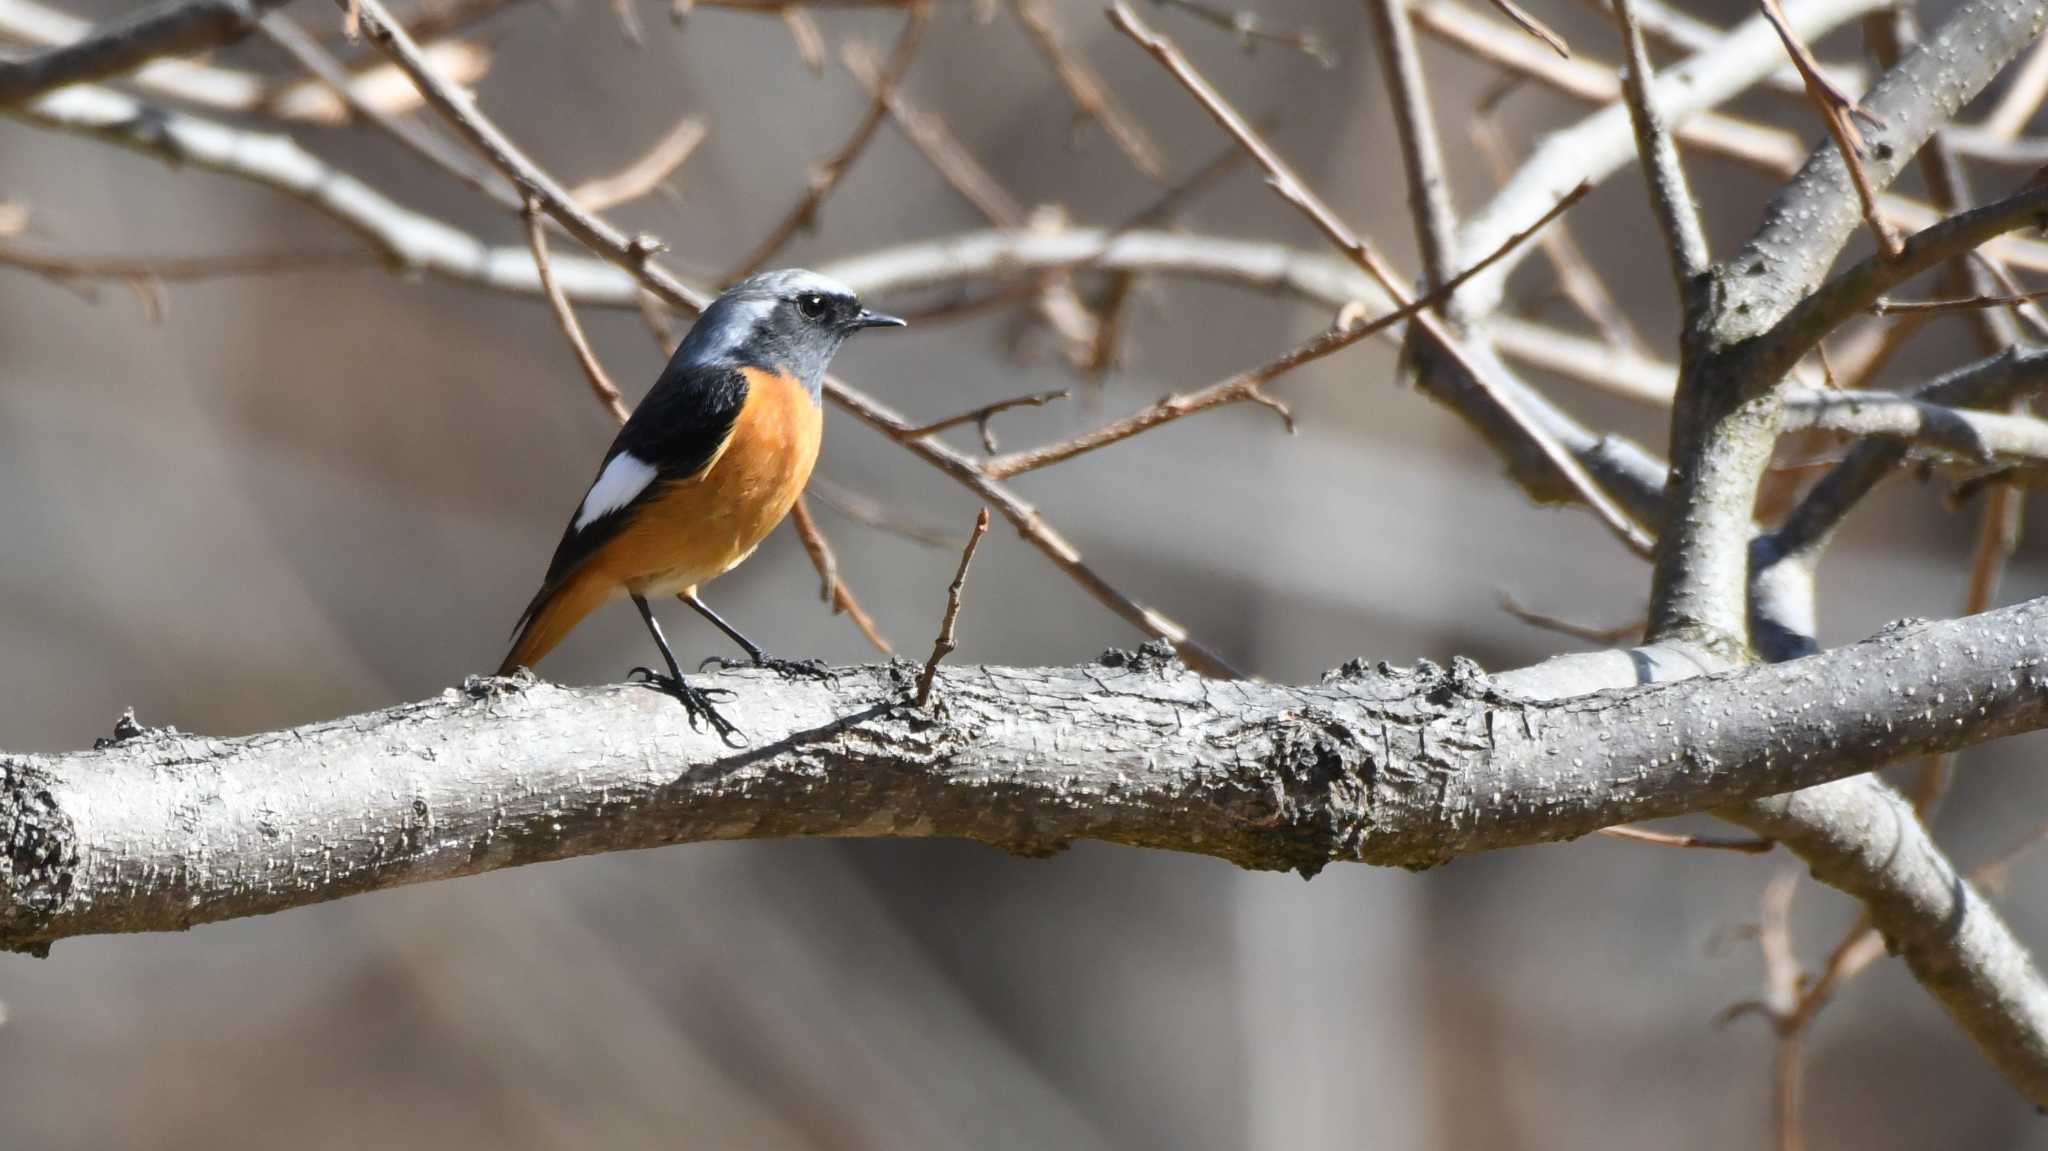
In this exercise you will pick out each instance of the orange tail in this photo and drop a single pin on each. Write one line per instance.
(551, 615)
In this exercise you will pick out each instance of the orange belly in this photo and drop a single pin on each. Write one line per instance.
(697, 529)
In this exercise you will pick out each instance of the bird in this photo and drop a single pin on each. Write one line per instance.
(711, 460)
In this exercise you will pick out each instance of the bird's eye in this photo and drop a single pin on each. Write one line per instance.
(813, 307)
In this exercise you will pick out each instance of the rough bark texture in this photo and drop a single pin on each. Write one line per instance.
(159, 831)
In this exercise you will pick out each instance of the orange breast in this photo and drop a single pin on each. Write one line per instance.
(700, 528)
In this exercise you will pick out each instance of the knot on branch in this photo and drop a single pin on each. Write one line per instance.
(1323, 795)
(1153, 655)
(38, 856)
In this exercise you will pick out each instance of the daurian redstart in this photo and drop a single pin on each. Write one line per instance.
(708, 464)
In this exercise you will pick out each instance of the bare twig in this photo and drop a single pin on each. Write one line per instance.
(226, 89)
(434, 148)
(936, 142)
(1496, 401)
(1597, 636)
(833, 590)
(1884, 307)
(1248, 28)
(1678, 218)
(171, 28)
(1576, 277)
(600, 383)
(943, 646)
(1422, 158)
(827, 173)
(1702, 842)
(868, 512)
(1838, 111)
(1247, 385)
(980, 416)
(1533, 26)
(645, 174)
(810, 43)
(1090, 96)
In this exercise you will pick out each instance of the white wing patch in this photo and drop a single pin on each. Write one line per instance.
(624, 478)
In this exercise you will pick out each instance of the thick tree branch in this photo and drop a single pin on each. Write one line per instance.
(160, 831)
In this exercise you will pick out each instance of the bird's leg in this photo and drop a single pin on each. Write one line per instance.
(787, 668)
(695, 700)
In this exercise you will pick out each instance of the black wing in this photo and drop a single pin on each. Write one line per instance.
(678, 429)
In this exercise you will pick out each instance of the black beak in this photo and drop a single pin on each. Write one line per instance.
(868, 319)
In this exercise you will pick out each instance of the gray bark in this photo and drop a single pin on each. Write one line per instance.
(161, 831)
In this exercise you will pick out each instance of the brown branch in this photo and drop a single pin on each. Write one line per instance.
(600, 383)
(1533, 26)
(834, 590)
(826, 174)
(1492, 401)
(935, 142)
(1247, 385)
(645, 174)
(943, 646)
(1086, 89)
(436, 150)
(1838, 111)
(980, 416)
(1597, 636)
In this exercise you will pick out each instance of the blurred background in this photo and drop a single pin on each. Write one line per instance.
(297, 497)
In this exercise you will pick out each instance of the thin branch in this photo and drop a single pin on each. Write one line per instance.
(1885, 307)
(980, 416)
(1533, 26)
(834, 590)
(1504, 408)
(1422, 159)
(930, 136)
(1576, 277)
(1247, 385)
(1090, 96)
(1597, 636)
(246, 93)
(1701, 842)
(600, 382)
(1601, 143)
(1678, 218)
(435, 149)
(871, 513)
(645, 174)
(1838, 111)
(170, 28)
(943, 646)
(810, 43)
(1249, 29)
(827, 173)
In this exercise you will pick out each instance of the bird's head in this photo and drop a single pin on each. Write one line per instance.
(791, 320)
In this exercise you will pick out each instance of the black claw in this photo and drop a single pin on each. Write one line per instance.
(695, 700)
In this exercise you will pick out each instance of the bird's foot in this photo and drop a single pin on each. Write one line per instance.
(695, 700)
(786, 668)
